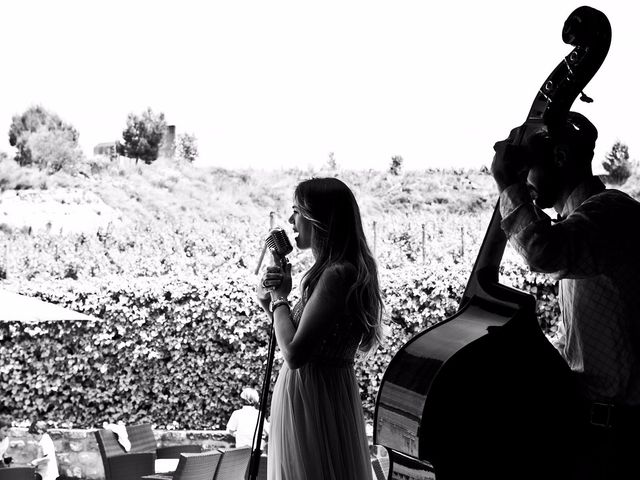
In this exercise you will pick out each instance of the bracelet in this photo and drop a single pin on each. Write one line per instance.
(277, 303)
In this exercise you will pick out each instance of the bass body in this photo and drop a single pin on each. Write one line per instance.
(481, 393)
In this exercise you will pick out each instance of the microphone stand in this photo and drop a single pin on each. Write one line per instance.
(256, 453)
(254, 462)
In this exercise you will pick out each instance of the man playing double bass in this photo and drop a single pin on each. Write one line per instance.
(593, 248)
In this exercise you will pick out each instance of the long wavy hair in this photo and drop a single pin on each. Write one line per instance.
(338, 237)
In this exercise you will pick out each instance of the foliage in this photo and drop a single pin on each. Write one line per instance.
(142, 136)
(187, 147)
(396, 165)
(332, 165)
(42, 138)
(15, 177)
(180, 350)
(53, 151)
(173, 284)
(617, 164)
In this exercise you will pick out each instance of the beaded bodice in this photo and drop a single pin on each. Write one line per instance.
(340, 345)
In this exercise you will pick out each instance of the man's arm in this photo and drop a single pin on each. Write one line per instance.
(572, 248)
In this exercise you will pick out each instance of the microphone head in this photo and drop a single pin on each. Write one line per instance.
(278, 242)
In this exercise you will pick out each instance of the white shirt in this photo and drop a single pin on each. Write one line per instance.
(4, 446)
(594, 253)
(243, 424)
(48, 468)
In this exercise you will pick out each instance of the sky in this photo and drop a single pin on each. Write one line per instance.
(279, 84)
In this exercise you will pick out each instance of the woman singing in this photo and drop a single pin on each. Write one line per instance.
(317, 422)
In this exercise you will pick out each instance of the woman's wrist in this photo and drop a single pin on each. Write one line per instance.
(279, 301)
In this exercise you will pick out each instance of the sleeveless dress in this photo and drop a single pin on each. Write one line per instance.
(317, 422)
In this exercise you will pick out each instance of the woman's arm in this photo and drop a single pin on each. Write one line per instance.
(326, 304)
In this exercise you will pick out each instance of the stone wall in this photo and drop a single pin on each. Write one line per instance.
(77, 450)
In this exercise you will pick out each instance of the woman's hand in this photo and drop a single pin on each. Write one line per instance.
(282, 288)
(270, 279)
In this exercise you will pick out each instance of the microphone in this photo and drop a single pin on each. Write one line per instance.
(278, 243)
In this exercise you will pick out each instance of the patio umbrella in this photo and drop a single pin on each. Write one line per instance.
(21, 308)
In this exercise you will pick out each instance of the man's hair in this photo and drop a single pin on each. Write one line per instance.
(37, 427)
(250, 396)
(5, 421)
(577, 133)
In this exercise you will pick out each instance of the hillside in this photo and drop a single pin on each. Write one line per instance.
(167, 218)
(179, 193)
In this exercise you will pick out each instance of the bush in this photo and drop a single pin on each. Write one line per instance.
(52, 136)
(396, 165)
(187, 148)
(617, 164)
(175, 349)
(53, 151)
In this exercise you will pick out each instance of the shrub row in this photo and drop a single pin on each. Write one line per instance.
(177, 351)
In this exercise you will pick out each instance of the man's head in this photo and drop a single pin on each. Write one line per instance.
(5, 425)
(560, 159)
(38, 428)
(250, 396)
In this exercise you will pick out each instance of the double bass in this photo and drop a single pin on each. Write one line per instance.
(483, 394)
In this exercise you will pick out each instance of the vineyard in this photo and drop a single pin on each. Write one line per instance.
(165, 255)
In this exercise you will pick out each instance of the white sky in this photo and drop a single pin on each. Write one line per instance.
(272, 83)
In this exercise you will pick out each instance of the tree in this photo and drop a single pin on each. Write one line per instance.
(617, 164)
(46, 124)
(54, 150)
(396, 165)
(142, 136)
(331, 162)
(187, 147)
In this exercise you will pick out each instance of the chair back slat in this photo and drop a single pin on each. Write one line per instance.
(109, 447)
(108, 443)
(142, 438)
(174, 451)
(197, 466)
(233, 464)
(378, 472)
(17, 473)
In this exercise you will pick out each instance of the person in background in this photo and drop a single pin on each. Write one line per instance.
(317, 420)
(242, 423)
(46, 463)
(5, 424)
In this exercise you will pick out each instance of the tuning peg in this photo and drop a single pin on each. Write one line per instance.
(585, 98)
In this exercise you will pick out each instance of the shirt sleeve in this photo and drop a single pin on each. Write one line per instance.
(4, 446)
(571, 248)
(232, 425)
(48, 447)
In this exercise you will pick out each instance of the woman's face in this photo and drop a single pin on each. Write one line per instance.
(302, 228)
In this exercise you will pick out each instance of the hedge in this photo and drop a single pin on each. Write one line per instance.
(177, 351)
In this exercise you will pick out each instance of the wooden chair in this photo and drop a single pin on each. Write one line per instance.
(143, 440)
(17, 473)
(193, 466)
(119, 464)
(233, 464)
